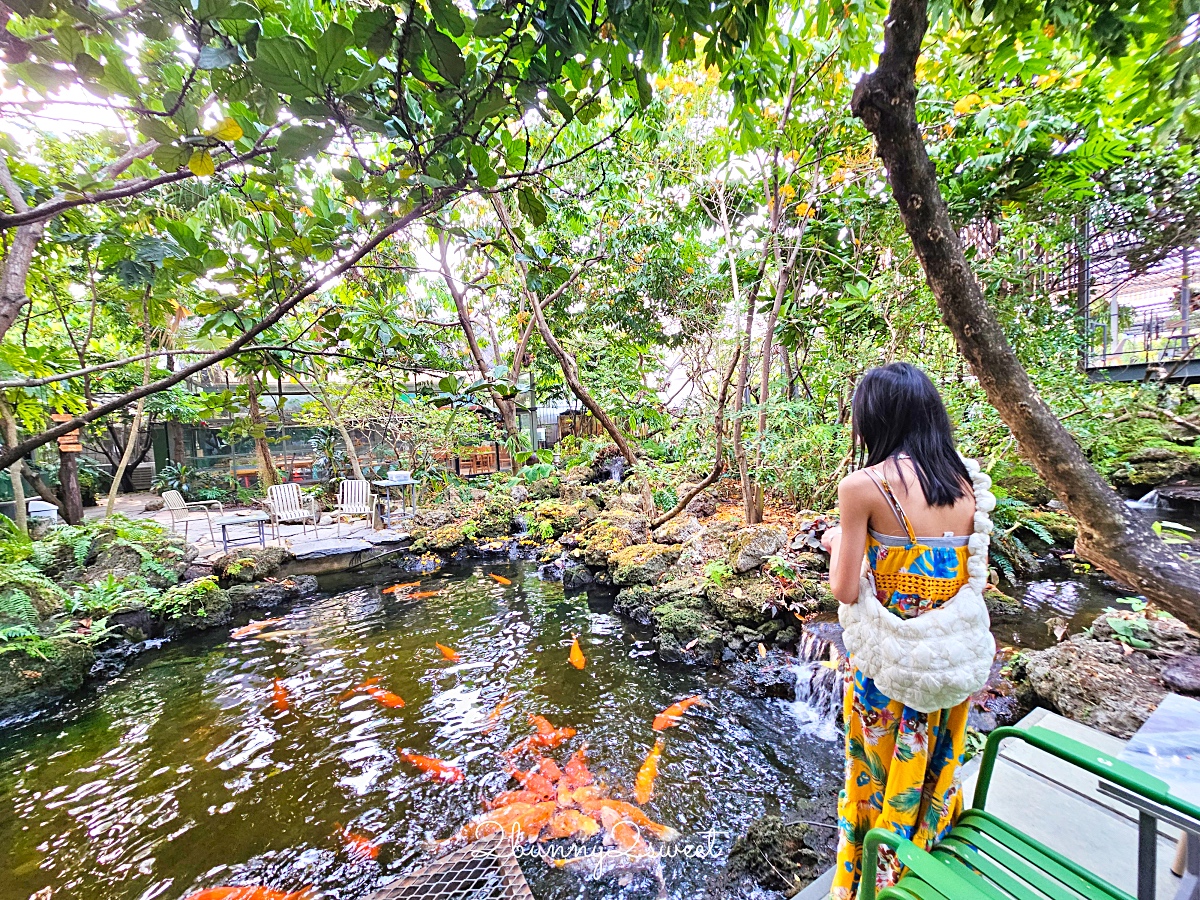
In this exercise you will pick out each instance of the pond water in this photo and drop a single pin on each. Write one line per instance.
(183, 773)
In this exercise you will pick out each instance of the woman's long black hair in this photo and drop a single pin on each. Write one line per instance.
(897, 410)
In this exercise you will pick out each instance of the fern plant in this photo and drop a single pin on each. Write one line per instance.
(20, 583)
(1010, 553)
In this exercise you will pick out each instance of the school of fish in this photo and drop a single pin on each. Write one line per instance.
(549, 803)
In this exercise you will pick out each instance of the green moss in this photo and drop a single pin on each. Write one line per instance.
(1058, 524)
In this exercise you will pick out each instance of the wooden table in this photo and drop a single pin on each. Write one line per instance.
(1168, 747)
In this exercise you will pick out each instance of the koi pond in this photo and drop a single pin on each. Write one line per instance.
(247, 757)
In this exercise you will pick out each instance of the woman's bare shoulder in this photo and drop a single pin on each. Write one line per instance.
(856, 484)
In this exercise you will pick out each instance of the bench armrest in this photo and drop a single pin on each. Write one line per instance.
(1088, 758)
(927, 867)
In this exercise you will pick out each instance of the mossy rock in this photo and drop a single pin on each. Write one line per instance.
(609, 533)
(1061, 526)
(27, 681)
(639, 601)
(496, 519)
(441, 540)
(776, 854)
(1025, 486)
(545, 488)
(194, 606)
(643, 563)
(1001, 607)
(555, 516)
(754, 544)
(248, 564)
(810, 595)
(743, 601)
(678, 530)
(161, 562)
(1149, 467)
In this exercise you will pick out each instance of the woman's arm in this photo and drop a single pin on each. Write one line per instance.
(847, 544)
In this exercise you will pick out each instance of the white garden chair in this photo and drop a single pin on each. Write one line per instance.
(181, 511)
(354, 500)
(287, 505)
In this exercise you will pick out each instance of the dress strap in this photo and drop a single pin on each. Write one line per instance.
(881, 482)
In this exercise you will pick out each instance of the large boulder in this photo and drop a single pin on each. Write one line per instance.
(643, 563)
(608, 534)
(745, 600)
(1097, 683)
(1183, 675)
(554, 518)
(702, 505)
(776, 854)
(248, 564)
(161, 560)
(677, 530)
(443, 539)
(754, 544)
(1060, 525)
(708, 544)
(1151, 466)
(685, 629)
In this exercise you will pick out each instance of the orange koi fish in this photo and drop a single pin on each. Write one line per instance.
(499, 708)
(577, 659)
(421, 595)
(521, 822)
(549, 768)
(441, 771)
(644, 785)
(397, 588)
(385, 698)
(249, 892)
(575, 772)
(670, 716)
(499, 579)
(279, 696)
(596, 808)
(508, 798)
(569, 822)
(358, 689)
(358, 846)
(535, 782)
(447, 652)
(253, 628)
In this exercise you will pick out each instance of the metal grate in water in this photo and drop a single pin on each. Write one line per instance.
(485, 870)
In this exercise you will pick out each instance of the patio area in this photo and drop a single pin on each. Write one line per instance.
(304, 542)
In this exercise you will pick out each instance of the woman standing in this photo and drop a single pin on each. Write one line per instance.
(904, 747)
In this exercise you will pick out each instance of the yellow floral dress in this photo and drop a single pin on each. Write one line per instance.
(901, 765)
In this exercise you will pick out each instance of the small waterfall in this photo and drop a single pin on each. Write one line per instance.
(1149, 501)
(818, 682)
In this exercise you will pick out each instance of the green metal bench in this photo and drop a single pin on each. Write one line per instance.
(985, 858)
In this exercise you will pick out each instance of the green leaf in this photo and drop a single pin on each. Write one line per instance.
(285, 64)
(482, 163)
(374, 30)
(157, 130)
(331, 51)
(171, 157)
(490, 25)
(446, 57)
(531, 205)
(447, 16)
(70, 42)
(217, 57)
(302, 141)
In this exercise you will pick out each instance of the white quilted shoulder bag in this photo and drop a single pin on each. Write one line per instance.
(941, 657)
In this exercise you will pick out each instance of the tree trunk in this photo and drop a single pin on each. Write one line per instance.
(20, 254)
(68, 479)
(175, 444)
(262, 450)
(1110, 536)
(14, 471)
(43, 490)
(130, 441)
(507, 408)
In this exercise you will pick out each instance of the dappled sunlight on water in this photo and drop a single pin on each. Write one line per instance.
(183, 773)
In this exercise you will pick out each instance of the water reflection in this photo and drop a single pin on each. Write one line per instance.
(183, 773)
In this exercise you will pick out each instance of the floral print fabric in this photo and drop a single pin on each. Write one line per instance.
(901, 765)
